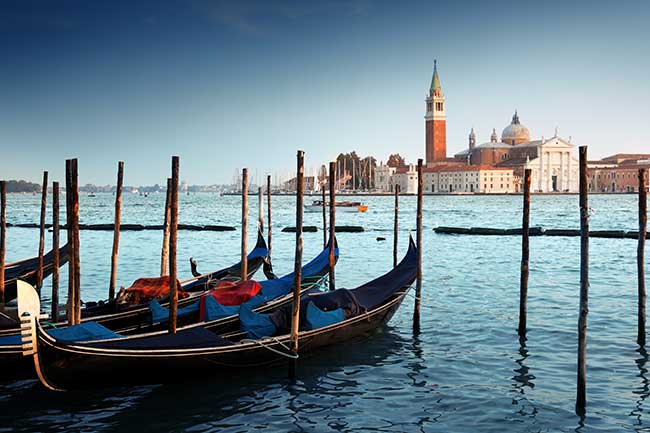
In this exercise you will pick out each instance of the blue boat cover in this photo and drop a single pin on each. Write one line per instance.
(86, 331)
(256, 325)
(10, 340)
(160, 314)
(215, 311)
(192, 338)
(317, 318)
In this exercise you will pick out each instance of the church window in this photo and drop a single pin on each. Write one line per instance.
(429, 107)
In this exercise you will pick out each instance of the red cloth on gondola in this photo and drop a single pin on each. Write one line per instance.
(147, 289)
(228, 293)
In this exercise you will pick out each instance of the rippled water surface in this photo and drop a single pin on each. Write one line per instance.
(465, 372)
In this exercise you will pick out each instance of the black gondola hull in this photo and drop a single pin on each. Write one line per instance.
(68, 367)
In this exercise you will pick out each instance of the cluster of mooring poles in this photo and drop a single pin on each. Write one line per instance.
(295, 316)
(581, 393)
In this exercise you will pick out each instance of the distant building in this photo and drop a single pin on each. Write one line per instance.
(455, 179)
(617, 173)
(553, 166)
(310, 184)
(383, 174)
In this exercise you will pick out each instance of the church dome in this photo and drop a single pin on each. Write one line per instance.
(515, 132)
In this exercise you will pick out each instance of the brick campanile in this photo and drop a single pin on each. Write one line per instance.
(435, 121)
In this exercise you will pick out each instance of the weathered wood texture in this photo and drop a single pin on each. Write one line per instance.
(396, 225)
(332, 260)
(164, 252)
(525, 254)
(244, 224)
(324, 206)
(260, 209)
(55, 250)
(297, 268)
(41, 241)
(173, 239)
(581, 395)
(640, 254)
(418, 281)
(116, 229)
(3, 238)
(269, 222)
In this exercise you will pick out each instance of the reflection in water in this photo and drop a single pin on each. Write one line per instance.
(642, 391)
(523, 380)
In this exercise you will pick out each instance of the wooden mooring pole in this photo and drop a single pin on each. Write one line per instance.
(297, 267)
(640, 254)
(41, 241)
(395, 225)
(173, 238)
(164, 251)
(75, 221)
(116, 229)
(260, 204)
(332, 258)
(581, 397)
(55, 252)
(418, 242)
(70, 314)
(244, 223)
(269, 230)
(525, 253)
(3, 238)
(324, 206)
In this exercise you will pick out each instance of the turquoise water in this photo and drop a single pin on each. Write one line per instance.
(465, 372)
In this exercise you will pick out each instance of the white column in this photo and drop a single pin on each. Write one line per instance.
(568, 180)
(548, 171)
(541, 168)
(560, 180)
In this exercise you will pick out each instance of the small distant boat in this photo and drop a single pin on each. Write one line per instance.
(345, 206)
(92, 194)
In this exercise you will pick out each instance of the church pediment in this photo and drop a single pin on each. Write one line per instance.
(557, 143)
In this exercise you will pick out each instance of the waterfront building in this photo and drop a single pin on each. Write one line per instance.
(553, 166)
(383, 174)
(455, 179)
(551, 161)
(617, 173)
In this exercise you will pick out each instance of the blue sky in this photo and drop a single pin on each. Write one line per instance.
(227, 84)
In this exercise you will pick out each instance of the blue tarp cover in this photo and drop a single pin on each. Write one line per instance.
(10, 340)
(317, 318)
(86, 331)
(160, 314)
(256, 325)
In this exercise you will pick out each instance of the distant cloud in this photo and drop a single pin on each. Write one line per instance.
(245, 16)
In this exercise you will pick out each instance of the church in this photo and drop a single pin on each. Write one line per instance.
(553, 166)
(496, 166)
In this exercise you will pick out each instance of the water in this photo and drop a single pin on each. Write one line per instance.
(465, 372)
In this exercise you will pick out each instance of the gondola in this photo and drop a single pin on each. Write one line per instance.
(117, 317)
(275, 293)
(26, 270)
(198, 353)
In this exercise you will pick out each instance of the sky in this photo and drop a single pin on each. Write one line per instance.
(232, 84)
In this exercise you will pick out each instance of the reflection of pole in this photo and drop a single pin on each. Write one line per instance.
(644, 389)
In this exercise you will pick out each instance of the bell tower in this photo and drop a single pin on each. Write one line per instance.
(435, 121)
